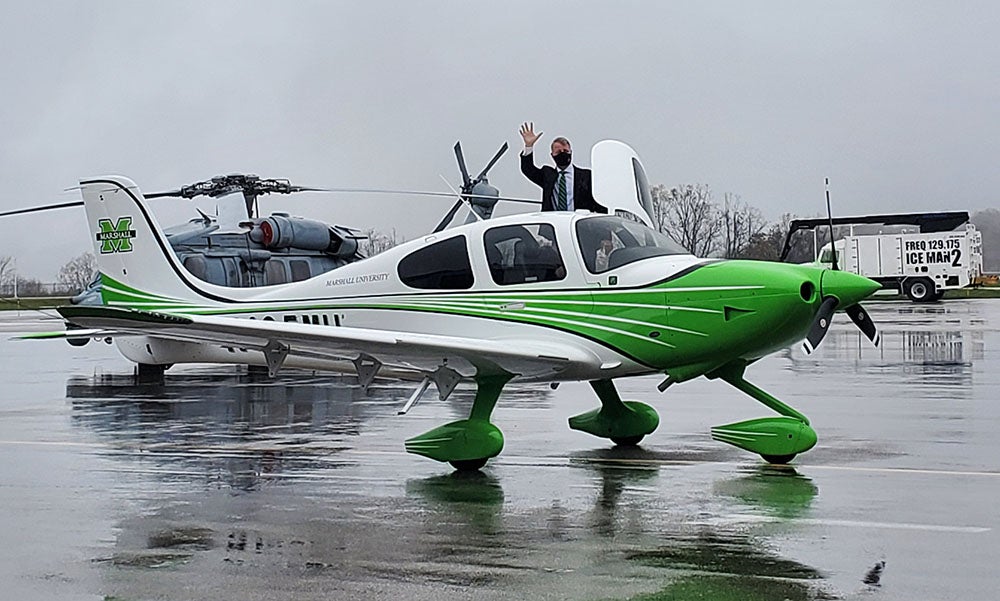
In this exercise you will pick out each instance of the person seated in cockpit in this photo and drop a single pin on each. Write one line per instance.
(603, 253)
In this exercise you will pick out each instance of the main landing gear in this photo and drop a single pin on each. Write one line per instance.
(776, 439)
(466, 444)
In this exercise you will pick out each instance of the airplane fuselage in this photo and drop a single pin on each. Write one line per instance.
(674, 313)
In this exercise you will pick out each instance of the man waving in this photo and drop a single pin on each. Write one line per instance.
(565, 187)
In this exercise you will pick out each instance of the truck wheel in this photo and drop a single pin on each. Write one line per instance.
(920, 290)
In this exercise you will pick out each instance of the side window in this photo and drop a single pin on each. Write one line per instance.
(196, 265)
(519, 254)
(300, 270)
(440, 266)
(232, 272)
(274, 272)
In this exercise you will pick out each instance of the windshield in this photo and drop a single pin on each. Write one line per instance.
(610, 242)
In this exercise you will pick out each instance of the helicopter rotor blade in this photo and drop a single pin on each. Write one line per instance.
(492, 162)
(461, 165)
(163, 194)
(61, 205)
(462, 198)
(533, 201)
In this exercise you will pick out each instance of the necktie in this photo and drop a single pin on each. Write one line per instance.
(561, 203)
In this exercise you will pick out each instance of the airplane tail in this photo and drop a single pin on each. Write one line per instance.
(138, 266)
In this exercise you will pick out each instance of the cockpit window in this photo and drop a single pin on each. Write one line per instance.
(519, 254)
(610, 242)
(441, 266)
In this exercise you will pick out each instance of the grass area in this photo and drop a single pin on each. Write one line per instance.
(41, 302)
(983, 292)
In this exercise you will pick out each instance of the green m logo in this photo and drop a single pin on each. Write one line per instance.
(116, 237)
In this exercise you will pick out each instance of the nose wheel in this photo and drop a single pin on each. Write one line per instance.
(776, 439)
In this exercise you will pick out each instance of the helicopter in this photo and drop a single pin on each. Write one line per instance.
(238, 248)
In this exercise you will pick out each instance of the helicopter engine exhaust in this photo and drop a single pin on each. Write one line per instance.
(283, 231)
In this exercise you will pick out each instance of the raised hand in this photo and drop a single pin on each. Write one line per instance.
(528, 133)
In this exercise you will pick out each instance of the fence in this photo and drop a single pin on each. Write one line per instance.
(31, 289)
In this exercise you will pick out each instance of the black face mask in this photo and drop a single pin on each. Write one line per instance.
(563, 159)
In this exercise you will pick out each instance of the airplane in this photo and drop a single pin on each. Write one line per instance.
(532, 297)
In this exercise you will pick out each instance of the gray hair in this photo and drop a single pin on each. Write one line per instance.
(561, 140)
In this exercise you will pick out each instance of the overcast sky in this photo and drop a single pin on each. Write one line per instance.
(897, 102)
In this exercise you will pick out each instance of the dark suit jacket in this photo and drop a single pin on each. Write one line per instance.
(546, 177)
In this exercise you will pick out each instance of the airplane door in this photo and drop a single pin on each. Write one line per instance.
(619, 181)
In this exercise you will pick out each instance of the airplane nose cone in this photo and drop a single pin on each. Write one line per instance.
(849, 288)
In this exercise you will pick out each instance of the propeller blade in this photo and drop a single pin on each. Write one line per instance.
(449, 216)
(461, 165)
(864, 322)
(61, 205)
(492, 162)
(821, 323)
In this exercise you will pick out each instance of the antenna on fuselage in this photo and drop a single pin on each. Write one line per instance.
(829, 216)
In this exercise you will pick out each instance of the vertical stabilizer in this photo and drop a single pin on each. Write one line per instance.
(138, 266)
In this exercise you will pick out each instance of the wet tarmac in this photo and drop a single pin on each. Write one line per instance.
(222, 485)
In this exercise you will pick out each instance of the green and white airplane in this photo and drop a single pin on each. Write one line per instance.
(539, 297)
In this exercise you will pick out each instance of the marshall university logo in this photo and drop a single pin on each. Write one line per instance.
(115, 237)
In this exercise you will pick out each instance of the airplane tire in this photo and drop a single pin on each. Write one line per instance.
(920, 290)
(468, 465)
(627, 441)
(778, 459)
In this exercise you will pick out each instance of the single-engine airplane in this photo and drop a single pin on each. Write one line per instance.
(538, 297)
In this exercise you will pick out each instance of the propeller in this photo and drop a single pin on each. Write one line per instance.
(484, 208)
(843, 285)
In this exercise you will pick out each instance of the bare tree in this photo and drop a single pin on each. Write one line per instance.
(78, 273)
(376, 241)
(29, 287)
(767, 244)
(689, 216)
(740, 223)
(6, 272)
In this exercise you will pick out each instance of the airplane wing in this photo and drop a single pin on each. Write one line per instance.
(403, 350)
